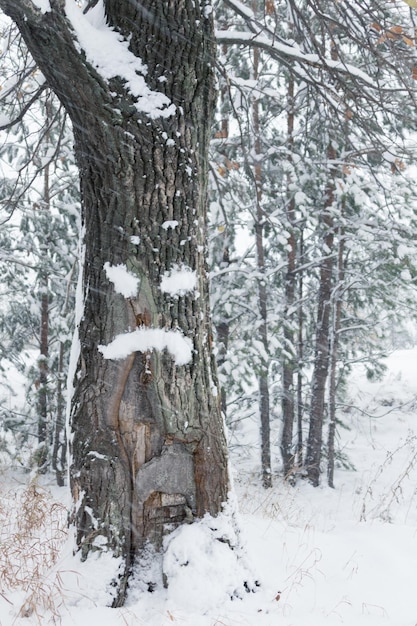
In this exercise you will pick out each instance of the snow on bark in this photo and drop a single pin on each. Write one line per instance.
(108, 52)
(124, 282)
(169, 224)
(145, 339)
(179, 281)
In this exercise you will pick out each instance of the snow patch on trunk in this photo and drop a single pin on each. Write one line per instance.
(179, 281)
(147, 339)
(124, 282)
(169, 224)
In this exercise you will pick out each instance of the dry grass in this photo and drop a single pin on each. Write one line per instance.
(385, 504)
(32, 533)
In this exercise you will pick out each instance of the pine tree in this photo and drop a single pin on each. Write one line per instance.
(347, 74)
(39, 242)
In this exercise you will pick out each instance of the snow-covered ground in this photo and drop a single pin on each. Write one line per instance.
(323, 556)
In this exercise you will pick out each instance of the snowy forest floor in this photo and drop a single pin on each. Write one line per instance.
(336, 556)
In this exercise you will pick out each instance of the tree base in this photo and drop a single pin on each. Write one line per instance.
(209, 549)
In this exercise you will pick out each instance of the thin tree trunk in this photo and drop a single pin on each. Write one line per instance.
(263, 375)
(334, 346)
(43, 443)
(289, 352)
(300, 359)
(59, 451)
(223, 326)
(58, 460)
(263, 382)
(223, 332)
(321, 355)
(323, 330)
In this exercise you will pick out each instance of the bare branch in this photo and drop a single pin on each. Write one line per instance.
(25, 109)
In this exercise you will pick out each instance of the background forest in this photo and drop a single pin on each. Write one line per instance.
(311, 227)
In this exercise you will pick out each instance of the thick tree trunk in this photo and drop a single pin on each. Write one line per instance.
(159, 421)
(147, 443)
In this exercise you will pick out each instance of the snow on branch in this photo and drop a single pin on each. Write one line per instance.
(281, 50)
(243, 10)
(147, 339)
(262, 37)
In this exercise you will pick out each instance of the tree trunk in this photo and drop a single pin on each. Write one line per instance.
(59, 451)
(42, 404)
(58, 460)
(148, 447)
(223, 326)
(263, 375)
(300, 357)
(323, 330)
(334, 351)
(321, 354)
(288, 365)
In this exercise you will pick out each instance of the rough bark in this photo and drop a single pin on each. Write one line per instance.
(147, 442)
